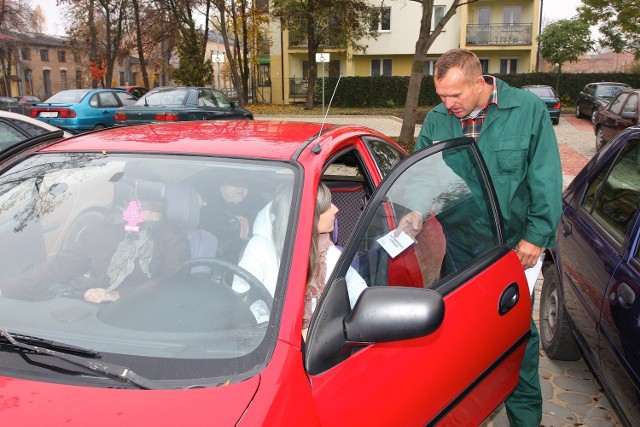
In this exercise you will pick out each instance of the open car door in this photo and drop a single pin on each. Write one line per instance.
(438, 335)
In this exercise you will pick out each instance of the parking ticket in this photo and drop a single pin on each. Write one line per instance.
(393, 244)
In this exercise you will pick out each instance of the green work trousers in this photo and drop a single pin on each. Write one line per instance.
(524, 406)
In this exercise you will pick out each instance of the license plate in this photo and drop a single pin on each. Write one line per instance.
(49, 114)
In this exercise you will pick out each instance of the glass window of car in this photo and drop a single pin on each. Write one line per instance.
(68, 97)
(449, 190)
(616, 105)
(609, 91)
(106, 100)
(74, 214)
(9, 136)
(221, 98)
(385, 155)
(206, 99)
(126, 98)
(164, 97)
(631, 106)
(612, 198)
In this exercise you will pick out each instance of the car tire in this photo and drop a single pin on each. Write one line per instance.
(98, 127)
(555, 331)
(555, 121)
(578, 113)
(600, 142)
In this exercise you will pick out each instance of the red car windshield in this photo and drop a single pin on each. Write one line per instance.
(141, 258)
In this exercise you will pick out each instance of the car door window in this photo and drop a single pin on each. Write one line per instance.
(223, 101)
(206, 99)
(612, 198)
(126, 98)
(385, 155)
(617, 104)
(631, 106)
(107, 100)
(9, 136)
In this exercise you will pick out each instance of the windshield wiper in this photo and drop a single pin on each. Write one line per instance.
(110, 370)
(54, 345)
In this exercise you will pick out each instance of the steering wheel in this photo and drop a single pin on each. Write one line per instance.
(221, 269)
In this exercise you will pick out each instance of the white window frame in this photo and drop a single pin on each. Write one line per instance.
(509, 65)
(380, 29)
(381, 66)
(435, 22)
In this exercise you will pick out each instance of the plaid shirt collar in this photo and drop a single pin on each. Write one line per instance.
(471, 125)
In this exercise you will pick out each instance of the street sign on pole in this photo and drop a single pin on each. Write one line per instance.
(323, 58)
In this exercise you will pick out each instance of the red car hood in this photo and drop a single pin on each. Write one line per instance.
(32, 403)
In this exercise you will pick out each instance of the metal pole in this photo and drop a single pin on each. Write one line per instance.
(323, 88)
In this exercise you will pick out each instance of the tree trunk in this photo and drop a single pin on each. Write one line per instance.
(94, 55)
(143, 64)
(425, 40)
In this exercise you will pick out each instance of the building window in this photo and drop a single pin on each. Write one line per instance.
(62, 56)
(28, 80)
(25, 53)
(134, 78)
(484, 63)
(508, 66)
(46, 76)
(122, 79)
(44, 54)
(63, 79)
(512, 14)
(263, 75)
(438, 14)
(381, 19)
(78, 79)
(380, 67)
(429, 67)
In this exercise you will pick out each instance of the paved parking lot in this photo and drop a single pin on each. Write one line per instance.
(572, 397)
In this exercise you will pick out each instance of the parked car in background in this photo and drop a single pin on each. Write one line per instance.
(596, 95)
(81, 110)
(9, 104)
(166, 103)
(137, 91)
(590, 301)
(26, 99)
(548, 95)
(223, 344)
(620, 113)
(16, 128)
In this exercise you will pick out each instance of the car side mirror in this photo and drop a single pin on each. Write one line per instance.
(381, 314)
(628, 115)
(392, 313)
(234, 104)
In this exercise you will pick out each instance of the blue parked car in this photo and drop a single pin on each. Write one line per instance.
(590, 301)
(81, 110)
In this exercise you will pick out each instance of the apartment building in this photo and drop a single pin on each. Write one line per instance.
(503, 33)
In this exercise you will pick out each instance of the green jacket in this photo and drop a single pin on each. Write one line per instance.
(519, 146)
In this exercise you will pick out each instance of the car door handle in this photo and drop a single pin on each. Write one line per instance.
(509, 298)
(567, 228)
(625, 295)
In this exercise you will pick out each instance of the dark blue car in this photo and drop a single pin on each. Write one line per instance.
(590, 301)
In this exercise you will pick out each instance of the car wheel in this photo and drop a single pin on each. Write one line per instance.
(555, 332)
(599, 139)
(578, 113)
(98, 127)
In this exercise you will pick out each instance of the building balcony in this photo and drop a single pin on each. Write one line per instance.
(499, 35)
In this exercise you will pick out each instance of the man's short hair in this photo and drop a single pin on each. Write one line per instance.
(466, 60)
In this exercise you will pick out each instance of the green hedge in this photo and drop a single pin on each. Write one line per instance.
(389, 92)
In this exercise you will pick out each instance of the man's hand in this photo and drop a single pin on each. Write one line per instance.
(99, 295)
(411, 224)
(243, 223)
(528, 253)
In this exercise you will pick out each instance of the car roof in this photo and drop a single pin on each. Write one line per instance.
(35, 122)
(244, 138)
(609, 84)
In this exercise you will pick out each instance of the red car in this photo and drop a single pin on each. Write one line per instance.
(436, 336)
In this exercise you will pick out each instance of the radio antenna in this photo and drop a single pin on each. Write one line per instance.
(329, 106)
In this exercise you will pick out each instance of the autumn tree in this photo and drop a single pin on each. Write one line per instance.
(15, 16)
(564, 41)
(426, 37)
(193, 68)
(336, 24)
(242, 26)
(618, 22)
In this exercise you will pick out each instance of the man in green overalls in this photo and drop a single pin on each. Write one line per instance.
(514, 134)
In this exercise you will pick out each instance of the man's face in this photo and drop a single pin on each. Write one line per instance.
(459, 95)
(233, 193)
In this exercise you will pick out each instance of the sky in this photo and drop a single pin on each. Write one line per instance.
(551, 11)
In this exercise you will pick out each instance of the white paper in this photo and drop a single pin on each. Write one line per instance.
(533, 273)
(395, 244)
